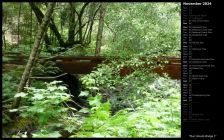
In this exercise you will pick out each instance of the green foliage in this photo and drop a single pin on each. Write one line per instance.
(104, 75)
(46, 103)
(38, 84)
(47, 106)
(130, 28)
(45, 134)
(137, 105)
(122, 91)
(46, 68)
(142, 28)
(11, 82)
(11, 79)
(141, 104)
(152, 119)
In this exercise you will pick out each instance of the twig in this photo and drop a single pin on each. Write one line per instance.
(48, 77)
(77, 104)
(48, 58)
(8, 100)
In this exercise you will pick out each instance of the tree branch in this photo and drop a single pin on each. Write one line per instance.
(44, 78)
(52, 25)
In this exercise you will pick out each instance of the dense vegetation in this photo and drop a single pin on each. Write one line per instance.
(107, 104)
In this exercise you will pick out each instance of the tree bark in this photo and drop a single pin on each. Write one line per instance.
(4, 41)
(80, 21)
(42, 29)
(64, 45)
(100, 29)
(71, 30)
(74, 36)
(40, 16)
(52, 25)
(93, 11)
(31, 25)
(18, 25)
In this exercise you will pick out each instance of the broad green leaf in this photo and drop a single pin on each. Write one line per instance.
(62, 88)
(13, 110)
(93, 88)
(37, 96)
(84, 93)
(72, 108)
(95, 101)
(55, 82)
(46, 134)
(52, 88)
(84, 110)
(70, 128)
(97, 135)
(21, 94)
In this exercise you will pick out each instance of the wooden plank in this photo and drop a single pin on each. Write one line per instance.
(85, 64)
(173, 70)
(76, 67)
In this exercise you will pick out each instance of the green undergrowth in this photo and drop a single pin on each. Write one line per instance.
(153, 119)
(137, 105)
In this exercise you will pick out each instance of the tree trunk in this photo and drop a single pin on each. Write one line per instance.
(71, 30)
(31, 24)
(75, 37)
(100, 29)
(52, 25)
(80, 15)
(3, 39)
(40, 16)
(41, 30)
(18, 25)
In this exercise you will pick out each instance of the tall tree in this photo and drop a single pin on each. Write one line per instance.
(19, 25)
(40, 33)
(100, 29)
(79, 24)
(31, 24)
(71, 30)
(39, 19)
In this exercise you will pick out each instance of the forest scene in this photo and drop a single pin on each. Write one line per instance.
(91, 69)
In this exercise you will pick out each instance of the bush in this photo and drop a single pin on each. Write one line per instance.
(48, 106)
(138, 105)
(152, 119)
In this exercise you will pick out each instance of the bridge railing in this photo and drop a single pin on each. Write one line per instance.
(85, 64)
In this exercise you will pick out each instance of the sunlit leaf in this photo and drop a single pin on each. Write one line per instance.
(21, 94)
(37, 97)
(84, 93)
(95, 101)
(13, 110)
(84, 110)
(62, 88)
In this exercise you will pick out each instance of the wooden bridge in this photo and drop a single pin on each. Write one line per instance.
(86, 64)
